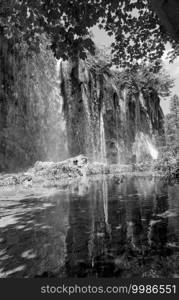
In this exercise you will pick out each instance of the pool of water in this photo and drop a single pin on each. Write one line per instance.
(100, 228)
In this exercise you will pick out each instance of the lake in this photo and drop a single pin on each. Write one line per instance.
(99, 227)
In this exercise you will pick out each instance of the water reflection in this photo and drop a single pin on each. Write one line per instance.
(100, 228)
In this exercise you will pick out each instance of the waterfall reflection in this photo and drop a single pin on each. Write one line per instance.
(116, 229)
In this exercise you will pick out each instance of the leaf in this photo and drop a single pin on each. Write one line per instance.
(54, 18)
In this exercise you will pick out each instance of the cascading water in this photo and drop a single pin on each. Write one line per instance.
(89, 128)
(118, 152)
(117, 137)
(153, 151)
(143, 146)
(102, 140)
(83, 93)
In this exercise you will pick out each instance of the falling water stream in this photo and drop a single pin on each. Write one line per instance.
(102, 139)
(142, 146)
(117, 137)
(152, 150)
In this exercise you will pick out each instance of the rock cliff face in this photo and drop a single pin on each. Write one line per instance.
(103, 119)
(168, 13)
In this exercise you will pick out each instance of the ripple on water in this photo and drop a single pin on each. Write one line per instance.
(8, 220)
(167, 214)
(4, 274)
(29, 254)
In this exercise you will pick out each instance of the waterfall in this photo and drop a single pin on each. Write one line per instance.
(152, 150)
(118, 152)
(90, 145)
(117, 138)
(86, 99)
(137, 113)
(58, 70)
(102, 140)
(142, 146)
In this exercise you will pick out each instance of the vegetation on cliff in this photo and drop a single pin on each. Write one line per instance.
(172, 125)
(168, 161)
(143, 78)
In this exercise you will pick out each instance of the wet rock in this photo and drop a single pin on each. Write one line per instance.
(97, 168)
(25, 178)
(10, 180)
(120, 168)
(118, 179)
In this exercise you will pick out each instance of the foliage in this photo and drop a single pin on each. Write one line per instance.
(67, 23)
(146, 78)
(174, 53)
(168, 163)
(172, 125)
(101, 60)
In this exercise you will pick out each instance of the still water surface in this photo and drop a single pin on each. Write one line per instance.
(100, 228)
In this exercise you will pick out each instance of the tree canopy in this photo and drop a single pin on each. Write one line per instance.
(151, 78)
(137, 31)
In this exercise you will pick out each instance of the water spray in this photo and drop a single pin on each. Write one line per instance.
(152, 150)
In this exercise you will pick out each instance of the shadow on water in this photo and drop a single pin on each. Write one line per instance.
(101, 228)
